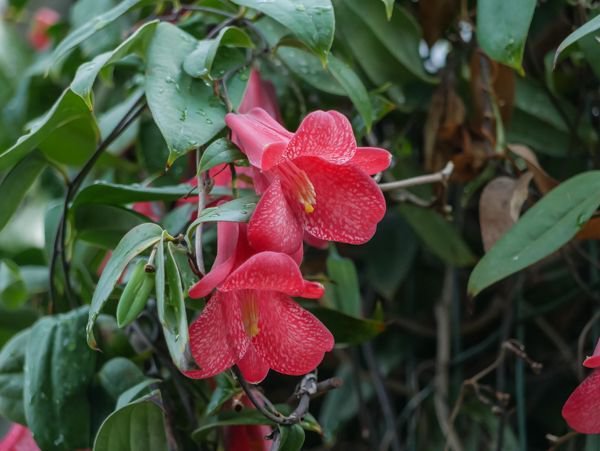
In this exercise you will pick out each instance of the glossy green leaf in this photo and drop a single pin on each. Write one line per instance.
(346, 329)
(354, 88)
(12, 362)
(13, 292)
(291, 438)
(587, 28)
(87, 30)
(438, 235)
(119, 375)
(542, 230)
(133, 243)
(502, 27)
(219, 152)
(139, 426)
(88, 72)
(139, 390)
(237, 210)
(199, 63)
(312, 21)
(104, 225)
(58, 369)
(389, 8)
(135, 295)
(17, 182)
(69, 117)
(185, 109)
(171, 307)
(345, 287)
(114, 193)
(225, 390)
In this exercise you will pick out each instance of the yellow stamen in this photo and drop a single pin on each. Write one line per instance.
(298, 185)
(308, 208)
(250, 313)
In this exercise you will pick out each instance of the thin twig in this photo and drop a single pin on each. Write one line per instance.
(441, 176)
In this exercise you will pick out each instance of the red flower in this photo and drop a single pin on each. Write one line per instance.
(251, 319)
(247, 438)
(18, 439)
(43, 19)
(582, 409)
(317, 180)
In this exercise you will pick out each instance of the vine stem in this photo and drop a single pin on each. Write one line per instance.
(72, 188)
(437, 177)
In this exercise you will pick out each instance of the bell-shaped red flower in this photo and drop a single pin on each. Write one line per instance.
(582, 409)
(318, 180)
(247, 437)
(251, 319)
(43, 19)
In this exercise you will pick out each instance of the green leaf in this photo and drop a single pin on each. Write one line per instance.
(12, 362)
(345, 287)
(185, 109)
(17, 182)
(346, 329)
(68, 118)
(139, 426)
(199, 63)
(587, 28)
(389, 8)
(439, 235)
(542, 230)
(114, 193)
(87, 30)
(119, 375)
(312, 21)
(104, 225)
(13, 292)
(59, 367)
(88, 72)
(226, 389)
(135, 295)
(171, 306)
(138, 390)
(292, 438)
(219, 152)
(354, 88)
(502, 27)
(133, 243)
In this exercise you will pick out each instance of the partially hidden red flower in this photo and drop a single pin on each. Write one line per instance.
(318, 180)
(247, 438)
(18, 438)
(582, 409)
(251, 319)
(43, 19)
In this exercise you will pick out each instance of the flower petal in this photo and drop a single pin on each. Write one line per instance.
(274, 226)
(253, 367)
(349, 202)
(227, 241)
(325, 134)
(582, 409)
(273, 155)
(247, 438)
(260, 94)
(252, 131)
(272, 271)
(291, 340)
(217, 337)
(315, 242)
(594, 360)
(371, 159)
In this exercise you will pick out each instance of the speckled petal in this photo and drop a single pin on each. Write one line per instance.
(291, 340)
(349, 202)
(325, 134)
(253, 367)
(274, 226)
(272, 271)
(582, 409)
(371, 160)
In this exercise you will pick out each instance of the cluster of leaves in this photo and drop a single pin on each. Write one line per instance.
(133, 93)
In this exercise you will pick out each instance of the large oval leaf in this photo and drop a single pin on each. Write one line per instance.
(136, 241)
(139, 426)
(543, 229)
(113, 193)
(58, 369)
(185, 109)
(312, 21)
(502, 27)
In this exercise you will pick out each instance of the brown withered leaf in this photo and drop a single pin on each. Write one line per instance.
(590, 231)
(435, 16)
(541, 178)
(500, 206)
(469, 163)
(442, 128)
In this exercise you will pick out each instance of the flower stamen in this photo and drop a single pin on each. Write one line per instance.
(298, 184)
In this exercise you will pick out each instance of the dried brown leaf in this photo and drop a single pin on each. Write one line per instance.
(542, 180)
